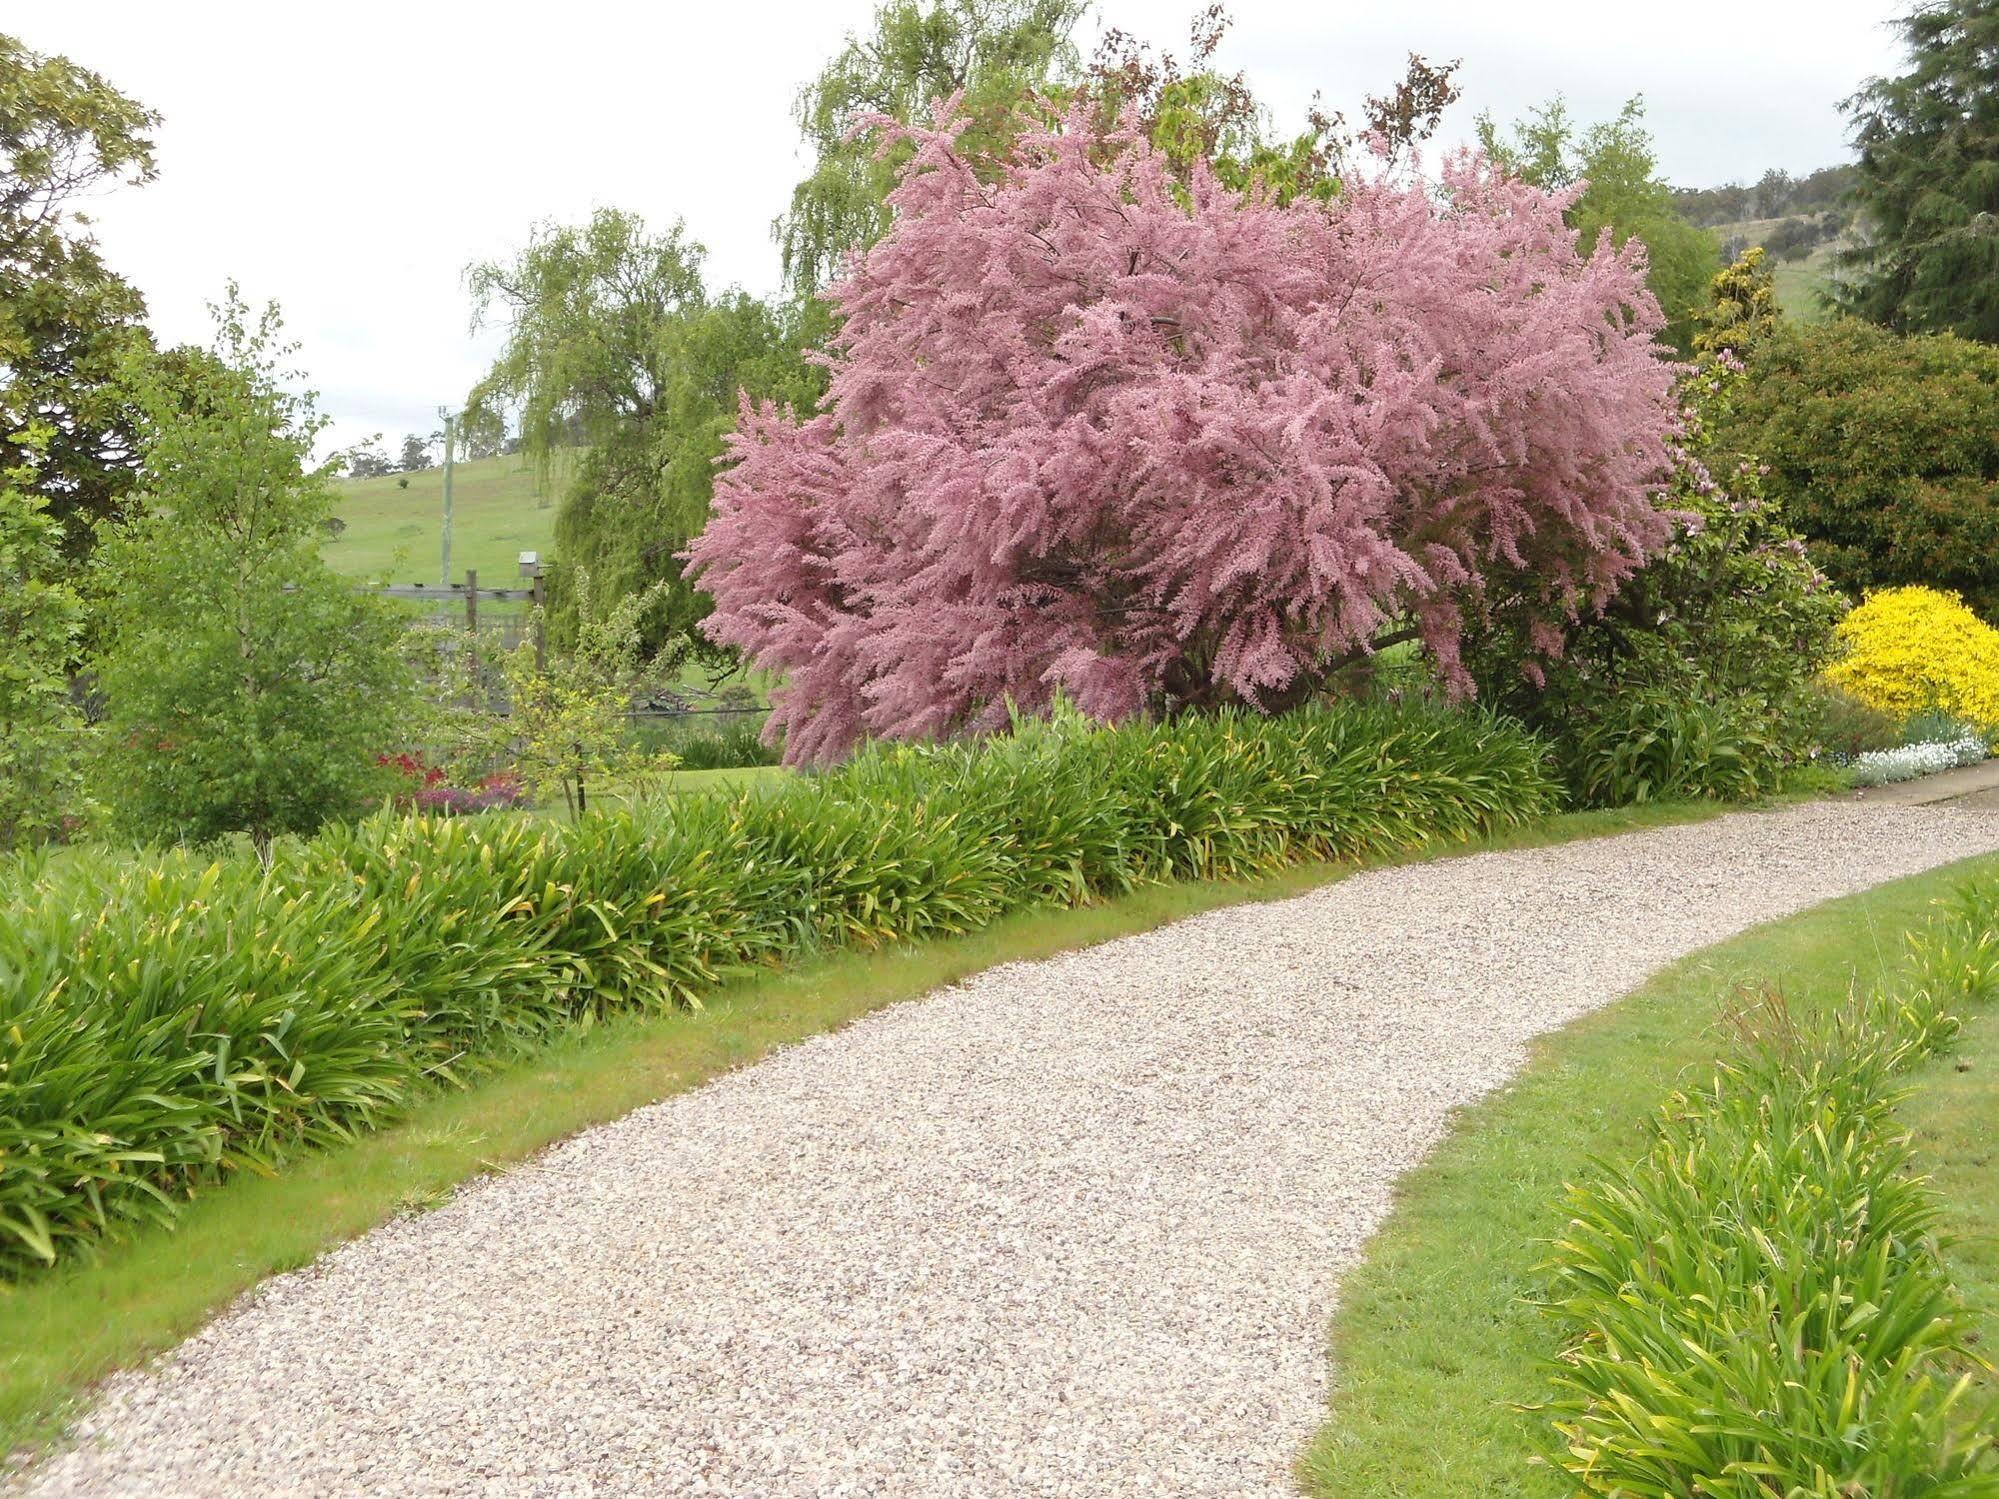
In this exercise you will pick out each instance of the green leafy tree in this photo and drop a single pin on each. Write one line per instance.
(1701, 677)
(67, 322)
(481, 433)
(368, 461)
(247, 688)
(40, 728)
(1928, 181)
(568, 726)
(1884, 451)
(615, 344)
(1625, 195)
(993, 53)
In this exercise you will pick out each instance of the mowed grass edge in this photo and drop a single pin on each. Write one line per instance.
(1435, 1340)
(63, 1331)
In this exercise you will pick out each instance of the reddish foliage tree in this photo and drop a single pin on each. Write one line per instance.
(1161, 446)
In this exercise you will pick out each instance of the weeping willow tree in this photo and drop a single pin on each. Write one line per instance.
(1928, 184)
(623, 370)
(992, 52)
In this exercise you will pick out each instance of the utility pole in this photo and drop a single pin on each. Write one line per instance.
(450, 428)
(538, 603)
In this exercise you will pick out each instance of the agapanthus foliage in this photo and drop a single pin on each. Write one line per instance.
(1153, 445)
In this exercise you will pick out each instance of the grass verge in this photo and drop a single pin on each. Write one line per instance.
(62, 1331)
(1954, 1116)
(1434, 1340)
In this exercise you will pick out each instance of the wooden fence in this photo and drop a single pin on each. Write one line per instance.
(467, 596)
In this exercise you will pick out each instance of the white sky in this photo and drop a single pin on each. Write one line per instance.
(350, 160)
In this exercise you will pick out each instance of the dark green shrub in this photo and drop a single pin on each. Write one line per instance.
(1700, 677)
(166, 1020)
(1849, 727)
(1883, 451)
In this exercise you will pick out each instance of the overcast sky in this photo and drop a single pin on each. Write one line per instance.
(350, 160)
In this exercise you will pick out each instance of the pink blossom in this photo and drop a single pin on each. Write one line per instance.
(1092, 433)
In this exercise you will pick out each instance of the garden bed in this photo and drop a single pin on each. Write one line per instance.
(174, 1019)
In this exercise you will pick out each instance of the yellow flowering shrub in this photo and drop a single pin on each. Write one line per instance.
(1912, 649)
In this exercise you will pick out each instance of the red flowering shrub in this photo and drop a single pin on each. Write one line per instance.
(414, 768)
(427, 789)
(1153, 447)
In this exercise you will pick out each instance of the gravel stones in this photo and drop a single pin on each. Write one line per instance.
(1073, 1227)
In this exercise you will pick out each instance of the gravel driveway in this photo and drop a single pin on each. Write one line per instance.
(1074, 1227)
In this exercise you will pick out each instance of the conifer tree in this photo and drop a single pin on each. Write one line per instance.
(1928, 186)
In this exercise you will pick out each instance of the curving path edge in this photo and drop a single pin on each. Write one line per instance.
(1074, 1227)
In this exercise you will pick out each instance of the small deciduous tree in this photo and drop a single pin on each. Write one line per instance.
(67, 321)
(247, 688)
(1622, 194)
(1155, 446)
(41, 747)
(568, 725)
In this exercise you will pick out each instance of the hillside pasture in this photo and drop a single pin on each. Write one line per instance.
(1802, 283)
(500, 508)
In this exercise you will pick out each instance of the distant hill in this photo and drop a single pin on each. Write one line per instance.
(498, 511)
(1801, 221)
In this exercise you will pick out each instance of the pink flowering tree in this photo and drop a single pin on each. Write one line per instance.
(1158, 446)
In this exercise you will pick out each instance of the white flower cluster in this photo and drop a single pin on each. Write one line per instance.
(1878, 767)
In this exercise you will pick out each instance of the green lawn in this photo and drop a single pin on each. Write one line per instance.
(499, 510)
(1434, 1340)
(695, 782)
(61, 1331)
(1801, 283)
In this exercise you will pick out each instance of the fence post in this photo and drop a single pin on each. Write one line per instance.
(539, 604)
(472, 631)
(450, 431)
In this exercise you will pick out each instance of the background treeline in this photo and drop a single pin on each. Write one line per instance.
(483, 435)
(1774, 195)
(1793, 215)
